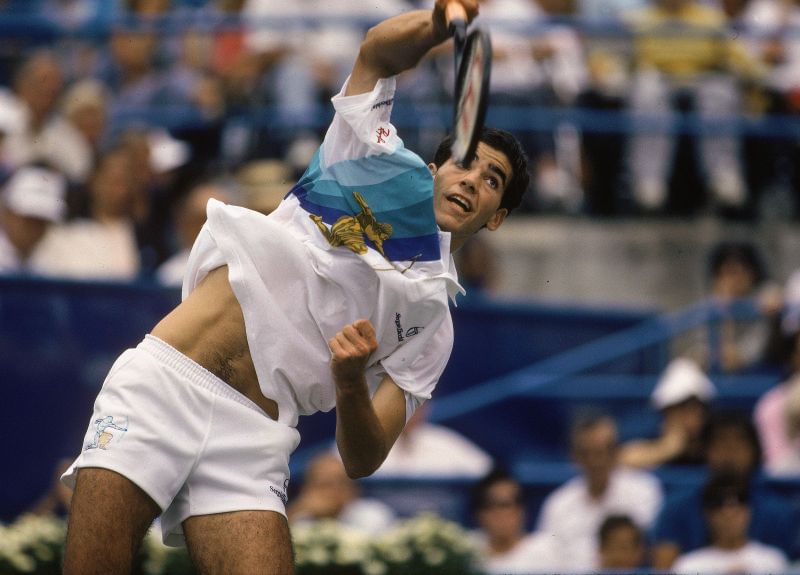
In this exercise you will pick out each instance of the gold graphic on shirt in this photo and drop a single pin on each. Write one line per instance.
(349, 231)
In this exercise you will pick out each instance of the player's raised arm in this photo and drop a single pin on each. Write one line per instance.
(399, 43)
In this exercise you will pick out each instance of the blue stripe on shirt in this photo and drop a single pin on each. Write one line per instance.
(404, 199)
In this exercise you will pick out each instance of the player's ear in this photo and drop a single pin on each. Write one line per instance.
(497, 219)
(433, 168)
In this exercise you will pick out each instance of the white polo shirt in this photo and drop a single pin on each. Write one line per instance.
(298, 285)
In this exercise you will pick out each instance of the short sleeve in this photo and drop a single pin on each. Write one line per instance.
(361, 126)
(418, 377)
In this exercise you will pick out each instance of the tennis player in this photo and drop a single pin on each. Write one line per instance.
(339, 298)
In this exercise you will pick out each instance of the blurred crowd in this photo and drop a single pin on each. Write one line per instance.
(119, 119)
(113, 114)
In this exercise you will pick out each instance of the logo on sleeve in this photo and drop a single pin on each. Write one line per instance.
(383, 133)
(382, 103)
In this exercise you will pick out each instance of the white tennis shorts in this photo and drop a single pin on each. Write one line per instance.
(189, 440)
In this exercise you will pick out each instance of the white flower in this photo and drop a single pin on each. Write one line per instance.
(374, 567)
(318, 556)
(434, 556)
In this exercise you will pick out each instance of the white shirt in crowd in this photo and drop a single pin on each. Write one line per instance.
(753, 558)
(535, 553)
(88, 249)
(573, 518)
(433, 450)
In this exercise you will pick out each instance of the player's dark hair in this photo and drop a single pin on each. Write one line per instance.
(504, 142)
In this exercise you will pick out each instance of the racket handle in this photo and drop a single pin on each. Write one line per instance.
(456, 18)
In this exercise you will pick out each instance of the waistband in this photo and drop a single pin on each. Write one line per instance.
(193, 371)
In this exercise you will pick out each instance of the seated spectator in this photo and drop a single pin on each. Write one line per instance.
(189, 219)
(573, 513)
(726, 508)
(681, 396)
(264, 183)
(734, 344)
(772, 413)
(498, 504)
(83, 113)
(621, 544)
(428, 450)
(541, 70)
(731, 445)
(31, 201)
(159, 163)
(328, 493)
(293, 63)
(104, 245)
(37, 87)
(684, 59)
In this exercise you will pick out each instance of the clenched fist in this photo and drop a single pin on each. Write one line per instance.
(351, 349)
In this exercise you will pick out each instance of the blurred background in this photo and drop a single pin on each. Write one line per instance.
(648, 286)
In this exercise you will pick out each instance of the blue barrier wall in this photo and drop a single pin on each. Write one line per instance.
(58, 339)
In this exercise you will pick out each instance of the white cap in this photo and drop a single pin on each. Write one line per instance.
(166, 152)
(682, 380)
(37, 193)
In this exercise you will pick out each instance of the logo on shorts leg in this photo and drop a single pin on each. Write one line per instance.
(103, 435)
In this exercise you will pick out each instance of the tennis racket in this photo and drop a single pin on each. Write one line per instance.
(473, 64)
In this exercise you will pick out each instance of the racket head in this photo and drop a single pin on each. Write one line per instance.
(471, 96)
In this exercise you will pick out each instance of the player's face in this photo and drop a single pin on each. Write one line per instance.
(467, 199)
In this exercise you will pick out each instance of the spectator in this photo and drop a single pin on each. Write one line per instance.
(726, 506)
(736, 340)
(608, 51)
(573, 513)
(132, 73)
(84, 115)
(684, 59)
(294, 64)
(621, 544)
(428, 450)
(545, 69)
(681, 396)
(159, 164)
(66, 133)
(264, 183)
(768, 155)
(189, 219)
(328, 493)
(607, 11)
(31, 201)
(498, 505)
(773, 413)
(102, 246)
(731, 445)
(38, 84)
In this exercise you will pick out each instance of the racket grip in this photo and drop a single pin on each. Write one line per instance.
(456, 18)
